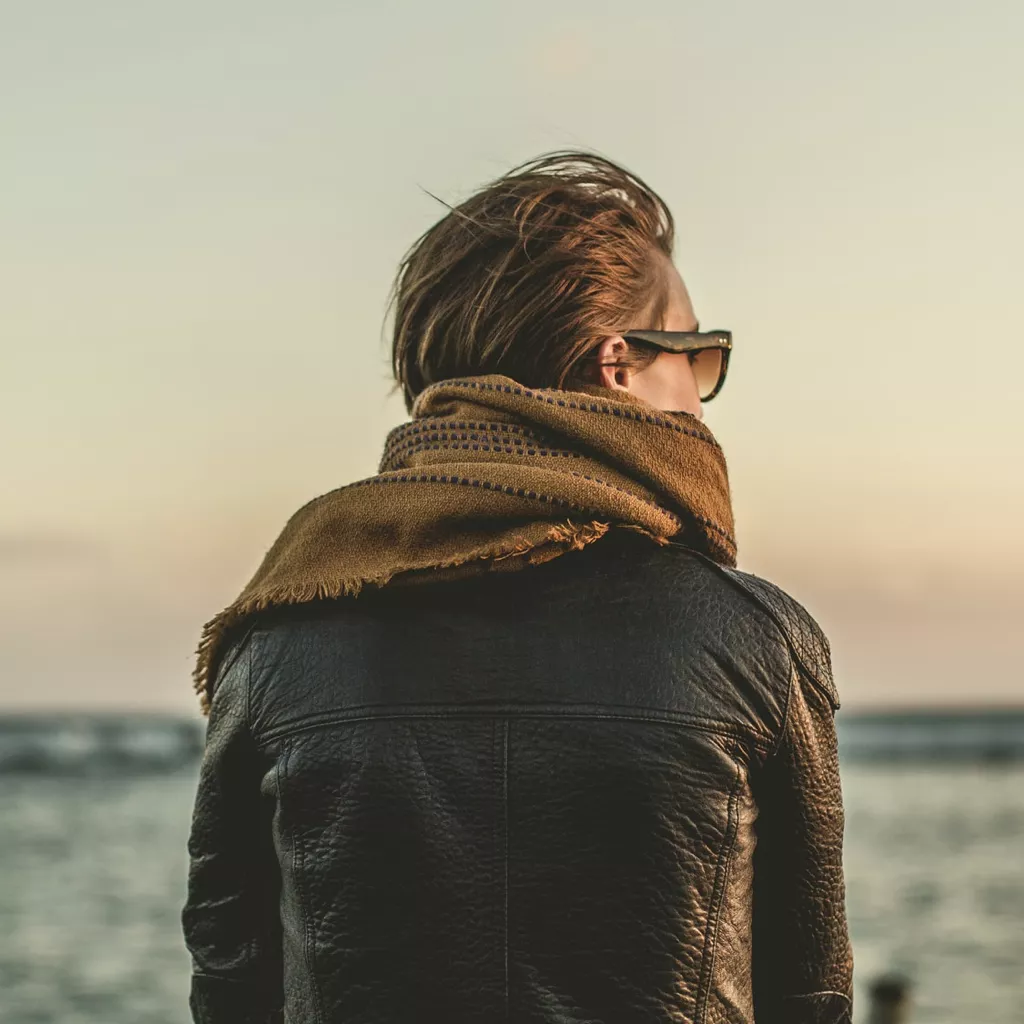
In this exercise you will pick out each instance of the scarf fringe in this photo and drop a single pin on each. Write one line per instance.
(562, 537)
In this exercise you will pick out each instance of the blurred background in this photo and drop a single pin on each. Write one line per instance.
(202, 208)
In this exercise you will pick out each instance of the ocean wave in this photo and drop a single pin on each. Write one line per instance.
(91, 744)
(934, 734)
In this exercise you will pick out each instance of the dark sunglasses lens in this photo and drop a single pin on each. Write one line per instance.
(707, 368)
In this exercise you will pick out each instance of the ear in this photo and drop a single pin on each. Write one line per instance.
(611, 349)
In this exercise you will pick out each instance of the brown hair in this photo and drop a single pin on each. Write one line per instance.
(527, 276)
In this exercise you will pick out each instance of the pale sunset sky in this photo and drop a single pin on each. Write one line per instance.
(203, 205)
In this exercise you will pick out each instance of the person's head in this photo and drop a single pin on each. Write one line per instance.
(537, 276)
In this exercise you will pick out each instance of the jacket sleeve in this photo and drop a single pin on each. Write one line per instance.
(230, 916)
(802, 960)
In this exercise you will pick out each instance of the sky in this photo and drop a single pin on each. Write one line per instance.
(203, 204)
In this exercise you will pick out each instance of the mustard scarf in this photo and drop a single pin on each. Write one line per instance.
(489, 475)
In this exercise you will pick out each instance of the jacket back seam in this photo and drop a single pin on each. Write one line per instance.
(707, 970)
(761, 740)
(298, 873)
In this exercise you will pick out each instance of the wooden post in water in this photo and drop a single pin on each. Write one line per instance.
(890, 1000)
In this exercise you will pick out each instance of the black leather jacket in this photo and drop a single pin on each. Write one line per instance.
(601, 789)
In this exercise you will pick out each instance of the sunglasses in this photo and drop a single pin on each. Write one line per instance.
(710, 354)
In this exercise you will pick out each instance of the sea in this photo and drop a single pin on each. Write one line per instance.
(95, 812)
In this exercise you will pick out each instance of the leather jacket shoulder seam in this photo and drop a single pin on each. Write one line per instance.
(820, 675)
(232, 654)
(248, 681)
(793, 672)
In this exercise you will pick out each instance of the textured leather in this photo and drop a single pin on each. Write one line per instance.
(603, 789)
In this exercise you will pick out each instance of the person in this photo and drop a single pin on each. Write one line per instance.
(502, 732)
